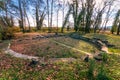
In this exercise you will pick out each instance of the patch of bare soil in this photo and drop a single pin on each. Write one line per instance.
(27, 46)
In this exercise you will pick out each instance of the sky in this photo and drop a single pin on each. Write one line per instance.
(98, 2)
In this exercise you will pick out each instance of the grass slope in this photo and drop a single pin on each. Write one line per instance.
(112, 39)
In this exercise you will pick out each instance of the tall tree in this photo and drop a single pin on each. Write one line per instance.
(66, 18)
(89, 11)
(98, 19)
(57, 8)
(118, 29)
(21, 21)
(75, 13)
(108, 13)
(63, 11)
(37, 15)
(115, 23)
(6, 17)
(48, 13)
(25, 10)
(39, 11)
(51, 19)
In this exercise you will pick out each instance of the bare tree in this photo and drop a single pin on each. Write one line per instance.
(39, 11)
(115, 23)
(37, 15)
(21, 21)
(66, 18)
(6, 17)
(51, 19)
(63, 11)
(57, 8)
(110, 3)
(118, 29)
(26, 8)
(89, 11)
(48, 13)
(98, 20)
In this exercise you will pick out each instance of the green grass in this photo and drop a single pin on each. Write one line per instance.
(18, 69)
(113, 66)
(59, 52)
(114, 50)
(78, 44)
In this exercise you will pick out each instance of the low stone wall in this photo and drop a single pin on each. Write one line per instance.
(19, 55)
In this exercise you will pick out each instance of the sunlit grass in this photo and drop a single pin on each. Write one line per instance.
(78, 44)
(54, 50)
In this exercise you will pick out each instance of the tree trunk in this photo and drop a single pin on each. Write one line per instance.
(90, 6)
(57, 19)
(37, 18)
(66, 18)
(63, 8)
(21, 16)
(48, 16)
(11, 21)
(51, 15)
(118, 30)
(28, 22)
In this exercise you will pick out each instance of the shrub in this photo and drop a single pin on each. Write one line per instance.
(7, 33)
(15, 29)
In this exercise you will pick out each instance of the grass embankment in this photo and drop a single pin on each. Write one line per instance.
(78, 44)
(112, 39)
